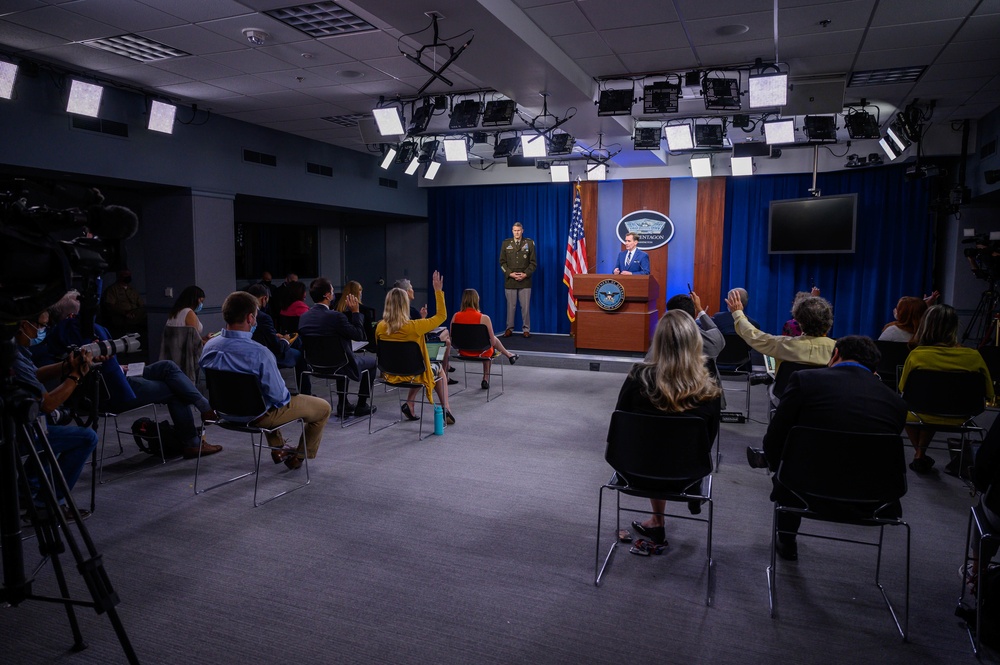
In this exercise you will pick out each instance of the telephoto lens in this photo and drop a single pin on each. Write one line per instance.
(110, 347)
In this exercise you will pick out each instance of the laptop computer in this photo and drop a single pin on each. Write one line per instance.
(769, 365)
(435, 351)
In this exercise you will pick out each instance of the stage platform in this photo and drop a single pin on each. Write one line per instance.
(558, 351)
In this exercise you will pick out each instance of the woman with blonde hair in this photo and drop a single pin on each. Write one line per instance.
(937, 348)
(672, 380)
(396, 326)
(470, 315)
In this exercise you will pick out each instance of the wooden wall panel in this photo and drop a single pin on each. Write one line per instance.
(651, 194)
(588, 201)
(710, 219)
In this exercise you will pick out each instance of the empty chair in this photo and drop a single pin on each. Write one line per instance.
(868, 496)
(657, 457)
(734, 361)
(238, 401)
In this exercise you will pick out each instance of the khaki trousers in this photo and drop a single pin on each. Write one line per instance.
(314, 412)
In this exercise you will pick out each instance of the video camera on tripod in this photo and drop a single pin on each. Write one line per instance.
(984, 258)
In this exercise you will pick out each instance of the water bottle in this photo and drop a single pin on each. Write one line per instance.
(438, 419)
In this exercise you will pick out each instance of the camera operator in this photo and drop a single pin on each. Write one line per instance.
(72, 446)
(161, 382)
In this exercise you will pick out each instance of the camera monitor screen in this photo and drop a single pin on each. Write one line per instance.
(816, 225)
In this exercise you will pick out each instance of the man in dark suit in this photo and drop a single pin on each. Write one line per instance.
(846, 396)
(632, 261)
(286, 353)
(724, 318)
(322, 321)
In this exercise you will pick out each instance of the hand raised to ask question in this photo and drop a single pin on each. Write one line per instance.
(352, 302)
(438, 281)
(733, 301)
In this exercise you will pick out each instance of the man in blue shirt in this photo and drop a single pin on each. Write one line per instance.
(632, 261)
(235, 351)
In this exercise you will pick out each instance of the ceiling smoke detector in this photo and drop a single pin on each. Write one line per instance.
(255, 36)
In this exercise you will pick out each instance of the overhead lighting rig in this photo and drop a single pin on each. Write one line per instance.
(453, 53)
(466, 114)
(661, 97)
(861, 123)
(647, 137)
(820, 128)
(768, 85)
(616, 101)
(598, 158)
(721, 94)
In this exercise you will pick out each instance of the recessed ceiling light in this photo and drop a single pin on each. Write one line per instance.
(350, 74)
(731, 30)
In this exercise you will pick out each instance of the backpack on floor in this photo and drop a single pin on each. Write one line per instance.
(144, 433)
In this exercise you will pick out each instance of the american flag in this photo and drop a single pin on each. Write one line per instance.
(576, 253)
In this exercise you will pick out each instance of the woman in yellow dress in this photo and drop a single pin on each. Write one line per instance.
(396, 326)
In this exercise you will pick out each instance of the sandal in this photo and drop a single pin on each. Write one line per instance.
(406, 412)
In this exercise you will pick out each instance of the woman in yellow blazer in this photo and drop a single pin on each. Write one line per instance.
(937, 348)
(396, 326)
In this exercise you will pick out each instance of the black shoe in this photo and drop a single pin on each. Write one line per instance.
(756, 458)
(448, 418)
(345, 410)
(452, 381)
(694, 506)
(451, 369)
(922, 464)
(656, 533)
(364, 410)
(406, 412)
(485, 384)
(513, 358)
(787, 549)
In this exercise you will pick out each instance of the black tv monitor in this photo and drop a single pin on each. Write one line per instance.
(816, 225)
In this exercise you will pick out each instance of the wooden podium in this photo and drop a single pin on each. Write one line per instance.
(628, 328)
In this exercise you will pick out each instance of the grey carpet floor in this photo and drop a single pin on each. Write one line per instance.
(478, 547)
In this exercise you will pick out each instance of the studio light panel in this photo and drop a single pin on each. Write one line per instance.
(161, 117)
(84, 98)
(388, 121)
(8, 72)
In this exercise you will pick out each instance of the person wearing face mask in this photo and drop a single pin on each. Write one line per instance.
(72, 446)
(122, 305)
(186, 308)
(235, 351)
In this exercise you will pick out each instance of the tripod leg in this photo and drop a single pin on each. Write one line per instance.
(48, 537)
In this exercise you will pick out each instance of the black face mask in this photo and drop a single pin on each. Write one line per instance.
(127, 280)
(266, 282)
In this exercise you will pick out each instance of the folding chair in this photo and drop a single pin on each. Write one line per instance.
(781, 377)
(404, 359)
(657, 457)
(238, 402)
(892, 358)
(734, 361)
(977, 521)
(944, 394)
(327, 360)
(107, 414)
(868, 496)
(475, 338)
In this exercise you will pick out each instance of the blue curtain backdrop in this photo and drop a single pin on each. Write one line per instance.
(893, 256)
(467, 226)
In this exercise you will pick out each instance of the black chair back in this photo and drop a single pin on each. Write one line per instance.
(784, 373)
(991, 356)
(474, 337)
(401, 358)
(324, 354)
(893, 357)
(946, 394)
(735, 355)
(877, 478)
(235, 394)
(288, 325)
(649, 451)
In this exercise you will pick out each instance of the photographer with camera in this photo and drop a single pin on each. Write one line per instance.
(161, 382)
(71, 445)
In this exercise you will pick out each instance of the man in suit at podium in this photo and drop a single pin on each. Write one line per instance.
(632, 261)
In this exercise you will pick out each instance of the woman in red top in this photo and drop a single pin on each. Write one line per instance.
(470, 314)
(296, 300)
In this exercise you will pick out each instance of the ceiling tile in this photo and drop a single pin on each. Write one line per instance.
(364, 45)
(820, 44)
(18, 38)
(949, 88)
(308, 53)
(126, 15)
(193, 39)
(290, 78)
(903, 57)
(582, 45)
(805, 20)
(965, 51)
(945, 72)
(691, 10)
(926, 34)
(980, 28)
(245, 84)
(199, 69)
(820, 65)
(609, 15)
(199, 10)
(706, 31)
(399, 66)
(602, 65)
(332, 72)
(232, 28)
(67, 25)
(248, 61)
(145, 75)
(713, 55)
(561, 19)
(83, 57)
(197, 90)
(895, 12)
(659, 61)
(644, 38)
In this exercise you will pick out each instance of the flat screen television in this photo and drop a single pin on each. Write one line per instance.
(815, 225)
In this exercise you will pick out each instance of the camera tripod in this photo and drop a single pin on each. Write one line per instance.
(984, 325)
(19, 424)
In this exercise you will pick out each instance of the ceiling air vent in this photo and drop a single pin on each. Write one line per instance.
(262, 158)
